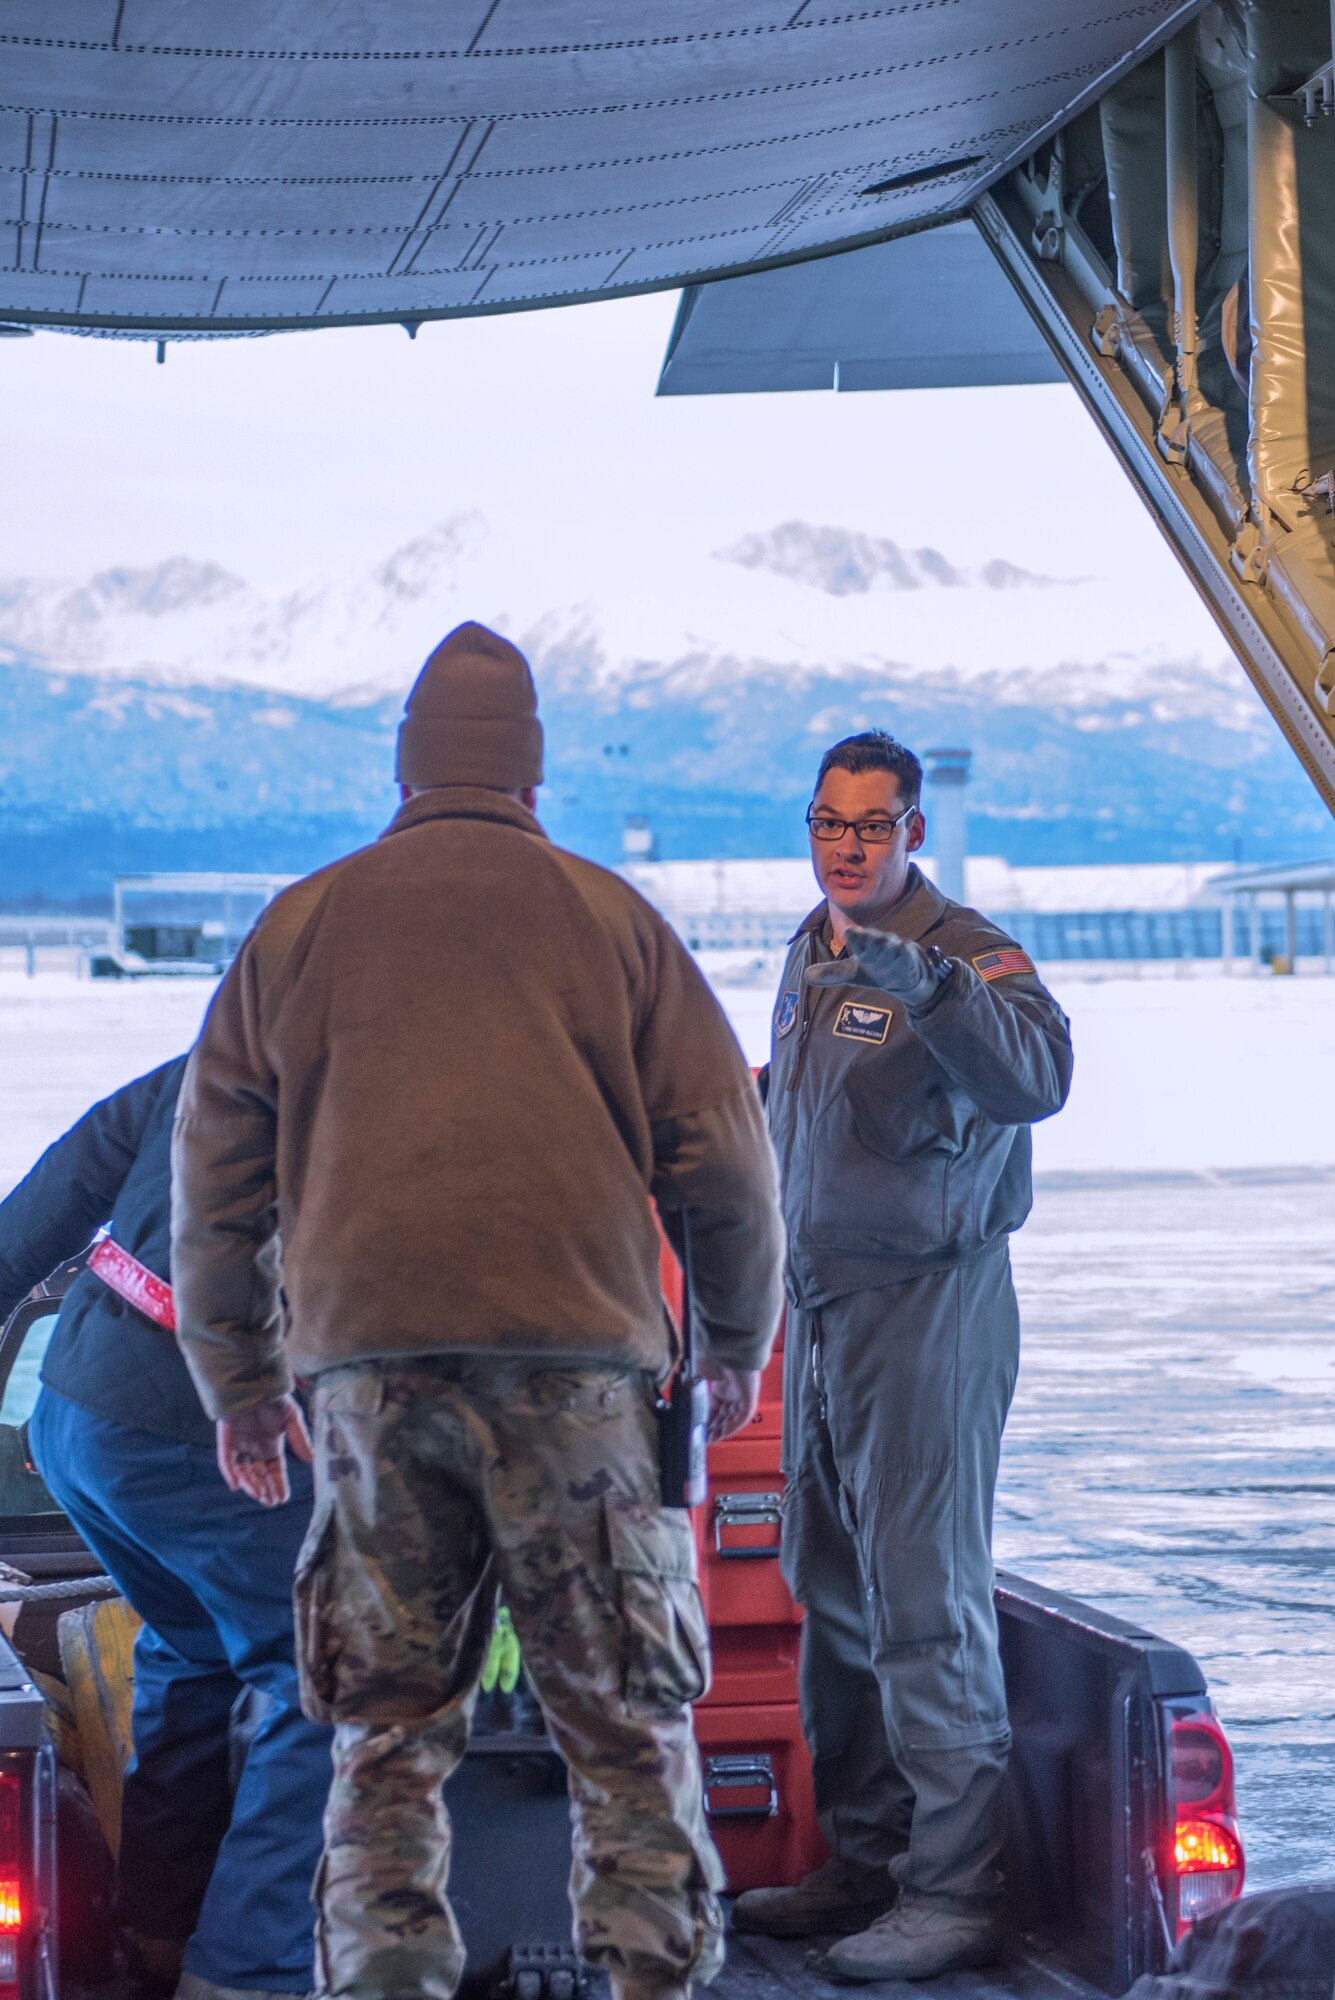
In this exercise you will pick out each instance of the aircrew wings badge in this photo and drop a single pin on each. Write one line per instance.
(996, 964)
(862, 1024)
(785, 1014)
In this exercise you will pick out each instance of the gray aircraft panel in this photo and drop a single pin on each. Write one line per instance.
(922, 312)
(166, 167)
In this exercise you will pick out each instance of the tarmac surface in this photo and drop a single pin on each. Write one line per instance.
(1170, 1455)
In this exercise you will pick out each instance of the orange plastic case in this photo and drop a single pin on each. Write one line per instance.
(737, 1537)
(757, 1772)
(753, 1664)
(758, 1797)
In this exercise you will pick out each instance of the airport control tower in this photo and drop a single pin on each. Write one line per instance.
(947, 775)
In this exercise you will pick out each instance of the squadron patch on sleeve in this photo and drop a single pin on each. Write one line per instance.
(862, 1024)
(785, 1014)
(996, 964)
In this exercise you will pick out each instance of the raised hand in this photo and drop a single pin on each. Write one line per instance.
(881, 960)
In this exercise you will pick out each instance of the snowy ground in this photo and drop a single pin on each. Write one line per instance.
(1170, 1453)
(1172, 1071)
(64, 1042)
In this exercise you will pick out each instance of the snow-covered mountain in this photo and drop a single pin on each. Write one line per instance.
(840, 562)
(183, 620)
(177, 715)
(796, 596)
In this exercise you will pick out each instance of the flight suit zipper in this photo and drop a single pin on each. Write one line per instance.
(799, 1066)
(799, 1060)
(801, 1056)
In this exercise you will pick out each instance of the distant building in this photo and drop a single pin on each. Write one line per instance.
(1259, 897)
(947, 775)
(182, 924)
(1154, 910)
(728, 905)
(637, 839)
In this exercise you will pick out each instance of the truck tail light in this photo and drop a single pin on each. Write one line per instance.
(1208, 1862)
(1209, 1868)
(11, 1880)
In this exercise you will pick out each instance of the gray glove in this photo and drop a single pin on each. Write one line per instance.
(888, 963)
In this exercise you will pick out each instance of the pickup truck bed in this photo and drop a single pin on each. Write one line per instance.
(1115, 1746)
(1094, 1803)
(770, 1969)
(1097, 1707)
(766, 1969)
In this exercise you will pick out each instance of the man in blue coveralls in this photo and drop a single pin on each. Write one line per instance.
(214, 1891)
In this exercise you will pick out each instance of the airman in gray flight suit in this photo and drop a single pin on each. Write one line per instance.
(913, 1047)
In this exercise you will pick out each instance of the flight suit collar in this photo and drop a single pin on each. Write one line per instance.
(919, 910)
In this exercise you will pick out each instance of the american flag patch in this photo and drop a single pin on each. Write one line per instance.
(996, 964)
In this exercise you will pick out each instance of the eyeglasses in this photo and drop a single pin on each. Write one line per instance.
(872, 832)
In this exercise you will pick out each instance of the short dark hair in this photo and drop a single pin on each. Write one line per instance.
(875, 750)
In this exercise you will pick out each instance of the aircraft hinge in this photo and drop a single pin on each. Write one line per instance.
(1173, 435)
(1049, 231)
(1249, 554)
(1316, 97)
(1325, 682)
(1319, 491)
(1106, 333)
(1047, 239)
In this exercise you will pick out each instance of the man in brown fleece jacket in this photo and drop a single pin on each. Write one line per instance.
(448, 1073)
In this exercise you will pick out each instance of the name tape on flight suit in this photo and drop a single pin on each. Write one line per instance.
(996, 964)
(862, 1024)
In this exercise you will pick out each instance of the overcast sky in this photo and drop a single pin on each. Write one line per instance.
(307, 454)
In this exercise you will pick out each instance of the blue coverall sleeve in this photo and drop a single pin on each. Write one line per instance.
(57, 1208)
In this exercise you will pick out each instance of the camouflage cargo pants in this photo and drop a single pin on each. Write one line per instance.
(438, 1483)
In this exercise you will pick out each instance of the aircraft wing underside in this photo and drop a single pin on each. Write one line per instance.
(230, 166)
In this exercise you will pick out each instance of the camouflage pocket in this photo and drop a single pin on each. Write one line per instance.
(665, 1639)
(317, 1648)
(353, 1390)
(340, 1395)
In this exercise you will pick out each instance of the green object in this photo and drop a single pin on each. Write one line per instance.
(502, 1663)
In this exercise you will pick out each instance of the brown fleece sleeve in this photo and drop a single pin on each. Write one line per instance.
(715, 1178)
(714, 1173)
(225, 1251)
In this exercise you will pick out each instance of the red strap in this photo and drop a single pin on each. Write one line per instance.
(134, 1282)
